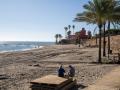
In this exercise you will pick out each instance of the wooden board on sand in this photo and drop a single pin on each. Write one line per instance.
(51, 80)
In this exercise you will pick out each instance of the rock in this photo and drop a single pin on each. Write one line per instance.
(36, 65)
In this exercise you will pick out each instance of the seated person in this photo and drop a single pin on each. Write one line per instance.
(71, 72)
(61, 71)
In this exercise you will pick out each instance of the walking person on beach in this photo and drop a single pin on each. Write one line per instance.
(71, 72)
(61, 71)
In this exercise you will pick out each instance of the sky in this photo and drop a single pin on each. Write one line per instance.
(38, 20)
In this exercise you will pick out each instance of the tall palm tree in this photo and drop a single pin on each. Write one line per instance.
(73, 28)
(112, 16)
(56, 37)
(66, 28)
(69, 26)
(69, 33)
(97, 13)
(60, 37)
(94, 14)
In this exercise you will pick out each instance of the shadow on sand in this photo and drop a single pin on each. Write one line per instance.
(3, 77)
(110, 62)
(78, 87)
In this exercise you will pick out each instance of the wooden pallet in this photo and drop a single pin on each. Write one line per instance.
(52, 82)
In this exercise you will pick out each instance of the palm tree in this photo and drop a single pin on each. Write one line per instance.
(113, 17)
(60, 37)
(65, 31)
(56, 37)
(94, 14)
(69, 26)
(73, 28)
(69, 33)
(97, 13)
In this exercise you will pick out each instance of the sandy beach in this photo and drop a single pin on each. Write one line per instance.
(17, 69)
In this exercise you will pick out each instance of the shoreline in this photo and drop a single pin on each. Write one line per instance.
(15, 51)
(19, 68)
(18, 46)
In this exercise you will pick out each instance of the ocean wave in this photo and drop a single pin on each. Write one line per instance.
(21, 46)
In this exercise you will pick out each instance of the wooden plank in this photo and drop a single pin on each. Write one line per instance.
(69, 86)
(42, 87)
(50, 80)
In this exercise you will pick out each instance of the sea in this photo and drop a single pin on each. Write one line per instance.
(11, 46)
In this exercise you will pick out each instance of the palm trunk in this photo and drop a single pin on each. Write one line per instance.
(65, 33)
(104, 43)
(59, 40)
(99, 59)
(73, 31)
(56, 41)
(108, 39)
(96, 39)
(79, 40)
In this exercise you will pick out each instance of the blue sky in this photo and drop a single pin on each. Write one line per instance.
(38, 20)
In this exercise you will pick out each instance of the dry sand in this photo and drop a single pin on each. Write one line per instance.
(110, 81)
(17, 69)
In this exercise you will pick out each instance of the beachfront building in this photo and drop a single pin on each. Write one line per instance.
(71, 37)
(78, 37)
(81, 34)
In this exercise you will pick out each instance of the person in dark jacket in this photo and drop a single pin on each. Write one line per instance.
(61, 71)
